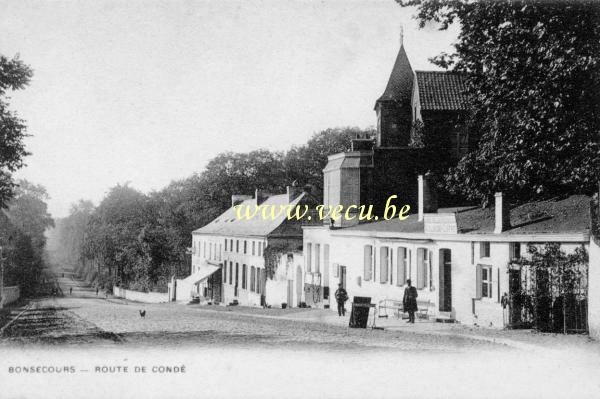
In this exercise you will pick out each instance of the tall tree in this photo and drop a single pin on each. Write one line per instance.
(14, 75)
(305, 163)
(534, 84)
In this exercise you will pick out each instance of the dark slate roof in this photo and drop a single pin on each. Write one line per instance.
(400, 84)
(441, 91)
(229, 225)
(567, 215)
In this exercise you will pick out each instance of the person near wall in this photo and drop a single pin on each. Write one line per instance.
(341, 296)
(504, 303)
(410, 301)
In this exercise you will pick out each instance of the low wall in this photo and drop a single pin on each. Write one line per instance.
(146, 297)
(594, 290)
(11, 294)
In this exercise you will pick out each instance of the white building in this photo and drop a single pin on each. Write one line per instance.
(458, 259)
(253, 262)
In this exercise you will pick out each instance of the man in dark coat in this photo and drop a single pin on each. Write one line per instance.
(341, 296)
(410, 301)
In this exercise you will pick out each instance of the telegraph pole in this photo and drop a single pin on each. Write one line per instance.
(1, 276)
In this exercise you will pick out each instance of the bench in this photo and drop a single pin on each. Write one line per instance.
(398, 308)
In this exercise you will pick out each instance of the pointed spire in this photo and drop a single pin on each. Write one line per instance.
(401, 35)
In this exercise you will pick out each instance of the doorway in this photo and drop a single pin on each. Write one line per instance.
(343, 276)
(515, 297)
(299, 285)
(445, 273)
(290, 293)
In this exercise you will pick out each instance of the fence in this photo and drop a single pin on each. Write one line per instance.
(146, 297)
(550, 299)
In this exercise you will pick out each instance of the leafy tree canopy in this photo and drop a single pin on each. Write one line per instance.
(14, 75)
(534, 84)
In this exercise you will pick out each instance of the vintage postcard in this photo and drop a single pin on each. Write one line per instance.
(299, 199)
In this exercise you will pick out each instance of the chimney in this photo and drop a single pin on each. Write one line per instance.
(427, 201)
(260, 196)
(293, 192)
(237, 199)
(502, 214)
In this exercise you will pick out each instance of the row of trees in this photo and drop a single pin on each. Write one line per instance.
(23, 209)
(139, 240)
(22, 227)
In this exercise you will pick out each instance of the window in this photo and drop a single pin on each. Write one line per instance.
(484, 249)
(326, 265)
(252, 278)
(225, 245)
(368, 262)
(194, 248)
(472, 253)
(253, 247)
(225, 273)
(244, 276)
(245, 246)
(317, 258)
(237, 246)
(384, 259)
(484, 281)
(308, 257)
(401, 265)
(230, 273)
(220, 252)
(231, 245)
(515, 250)
(204, 250)
(422, 267)
(260, 248)
(258, 276)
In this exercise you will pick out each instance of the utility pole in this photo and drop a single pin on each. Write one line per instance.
(1, 276)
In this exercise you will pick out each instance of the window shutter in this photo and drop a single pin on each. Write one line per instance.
(401, 266)
(391, 266)
(373, 263)
(367, 262)
(478, 282)
(383, 264)
(420, 268)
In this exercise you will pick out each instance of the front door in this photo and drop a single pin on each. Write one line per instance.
(445, 280)
(343, 276)
(514, 296)
(290, 293)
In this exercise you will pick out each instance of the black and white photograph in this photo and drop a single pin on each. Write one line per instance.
(299, 199)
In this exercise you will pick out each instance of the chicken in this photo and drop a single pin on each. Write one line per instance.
(142, 313)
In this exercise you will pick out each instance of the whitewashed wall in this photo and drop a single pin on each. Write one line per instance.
(146, 297)
(594, 290)
(11, 294)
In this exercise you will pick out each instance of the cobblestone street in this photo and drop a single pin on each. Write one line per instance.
(84, 317)
(89, 333)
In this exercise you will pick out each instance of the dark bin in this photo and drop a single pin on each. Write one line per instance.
(360, 312)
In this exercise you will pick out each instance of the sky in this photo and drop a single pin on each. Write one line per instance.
(146, 92)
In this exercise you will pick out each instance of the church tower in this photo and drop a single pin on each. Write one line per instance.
(394, 110)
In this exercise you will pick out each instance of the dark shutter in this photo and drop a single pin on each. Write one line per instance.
(478, 282)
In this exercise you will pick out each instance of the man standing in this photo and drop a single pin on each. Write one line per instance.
(410, 301)
(341, 296)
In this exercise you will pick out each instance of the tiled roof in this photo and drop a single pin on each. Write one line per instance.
(567, 215)
(400, 84)
(441, 91)
(227, 224)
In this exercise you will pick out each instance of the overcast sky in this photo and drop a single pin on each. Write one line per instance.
(147, 92)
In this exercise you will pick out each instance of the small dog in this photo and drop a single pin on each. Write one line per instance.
(143, 313)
